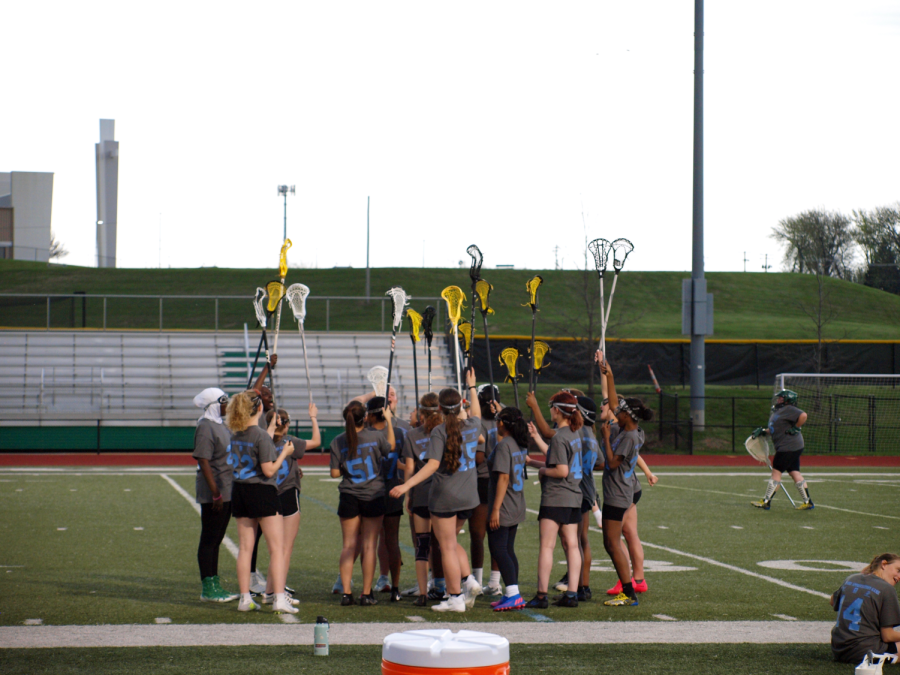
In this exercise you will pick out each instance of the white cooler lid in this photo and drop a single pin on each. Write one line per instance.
(445, 649)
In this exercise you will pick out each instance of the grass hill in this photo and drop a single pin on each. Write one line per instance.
(647, 304)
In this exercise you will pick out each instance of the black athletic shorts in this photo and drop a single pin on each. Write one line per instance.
(393, 507)
(254, 500)
(421, 511)
(290, 501)
(562, 515)
(787, 461)
(351, 506)
(586, 506)
(611, 512)
(483, 490)
(465, 514)
(637, 497)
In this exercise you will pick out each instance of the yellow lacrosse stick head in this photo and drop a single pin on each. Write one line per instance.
(415, 323)
(508, 358)
(282, 260)
(532, 286)
(465, 329)
(455, 297)
(483, 291)
(275, 289)
(541, 349)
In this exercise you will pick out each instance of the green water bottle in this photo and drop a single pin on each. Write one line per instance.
(320, 637)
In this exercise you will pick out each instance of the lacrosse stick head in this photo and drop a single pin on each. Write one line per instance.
(600, 249)
(508, 358)
(378, 377)
(275, 290)
(483, 291)
(455, 298)
(415, 324)
(541, 349)
(477, 259)
(296, 295)
(532, 286)
(400, 300)
(282, 259)
(620, 250)
(259, 306)
(427, 320)
(759, 448)
(465, 335)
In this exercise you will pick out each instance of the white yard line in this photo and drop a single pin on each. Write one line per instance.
(567, 632)
(229, 544)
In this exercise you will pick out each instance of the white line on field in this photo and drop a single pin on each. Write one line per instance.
(229, 544)
(664, 617)
(288, 618)
(163, 619)
(34, 622)
(736, 527)
(785, 617)
(416, 619)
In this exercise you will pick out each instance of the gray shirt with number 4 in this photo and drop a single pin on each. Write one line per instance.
(249, 449)
(618, 483)
(362, 473)
(781, 421)
(415, 447)
(565, 492)
(508, 458)
(211, 442)
(864, 604)
(453, 491)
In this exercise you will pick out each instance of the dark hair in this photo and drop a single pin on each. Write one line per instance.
(875, 565)
(588, 410)
(514, 423)
(449, 400)
(282, 413)
(568, 408)
(375, 408)
(429, 419)
(354, 416)
(484, 400)
(639, 409)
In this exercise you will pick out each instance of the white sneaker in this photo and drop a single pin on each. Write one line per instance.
(269, 598)
(284, 606)
(383, 584)
(471, 591)
(493, 591)
(257, 583)
(452, 604)
(339, 586)
(411, 591)
(248, 606)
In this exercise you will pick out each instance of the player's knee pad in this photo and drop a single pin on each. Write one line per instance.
(423, 546)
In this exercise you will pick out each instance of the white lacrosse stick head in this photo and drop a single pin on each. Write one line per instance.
(620, 250)
(378, 376)
(600, 249)
(759, 448)
(296, 295)
(259, 306)
(401, 300)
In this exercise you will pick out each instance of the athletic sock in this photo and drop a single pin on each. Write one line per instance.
(570, 594)
(280, 597)
(771, 489)
(512, 590)
(440, 584)
(636, 581)
(598, 516)
(628, 590)
(803, 490)
(478, 572)
(495, 578)
(469, 579)
(541, 595)
(245, 598)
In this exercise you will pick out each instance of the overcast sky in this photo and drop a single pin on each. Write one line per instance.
(508, 125)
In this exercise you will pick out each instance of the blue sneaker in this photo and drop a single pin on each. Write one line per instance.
(512, 602)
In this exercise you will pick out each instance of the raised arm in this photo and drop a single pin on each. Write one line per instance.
(316, 439)
(474, 404)
(540, 422)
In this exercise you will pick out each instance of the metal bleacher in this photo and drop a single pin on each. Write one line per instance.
(151, 378)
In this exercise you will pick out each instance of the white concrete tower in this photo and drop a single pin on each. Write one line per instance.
(107, 151)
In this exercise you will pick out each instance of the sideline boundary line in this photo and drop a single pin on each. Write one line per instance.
(229, 544)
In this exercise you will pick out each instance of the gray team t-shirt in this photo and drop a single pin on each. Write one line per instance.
(415, 446)
(489, 431)
(780, 422)
(249, 449)
(587, 445)
(456, 491)
(864, 604)
(390, 463)
(563, 492)
(508, 458)
(288, 475)
(618, 483)
(211, 442)
(362, 473)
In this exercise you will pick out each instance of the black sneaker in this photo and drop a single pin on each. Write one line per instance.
(347, 600)
(395, 594)
(584, 593)
(566, 600)
(537, 602)
(367, 600)
(288, 589)
(435, 594)
(421, 601)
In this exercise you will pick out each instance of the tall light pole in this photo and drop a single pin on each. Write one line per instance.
(285, 190)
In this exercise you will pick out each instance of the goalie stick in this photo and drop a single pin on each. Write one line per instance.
(760, 449)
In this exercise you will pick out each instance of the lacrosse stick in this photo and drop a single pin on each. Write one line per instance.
(620, 250)
(378, 376)
(259, 307)
(455, 297)
(760, 448)
(483, 291)
(296, 295)
(275, 291)
(541, 349)
(415, 322)
(399, 298)
(532, 286)
(282, 273)
(600, 249)
(508, 358)
(427, 318)
(474, 275)
(465, 337)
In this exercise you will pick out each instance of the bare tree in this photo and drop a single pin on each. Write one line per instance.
(57, 249)
(817, 242)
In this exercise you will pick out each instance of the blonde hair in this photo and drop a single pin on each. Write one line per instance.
(875, 565)
(241, 408)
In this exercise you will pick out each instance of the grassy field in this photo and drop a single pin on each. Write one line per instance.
(648, 304)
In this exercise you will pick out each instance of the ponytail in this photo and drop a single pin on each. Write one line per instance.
(875, 565)
(429, 412)
(514, 423)
(241, 408)
(449, 400)
(354, 416)
(567, 405)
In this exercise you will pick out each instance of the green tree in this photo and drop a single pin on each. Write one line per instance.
(878, 235)
(817, 242)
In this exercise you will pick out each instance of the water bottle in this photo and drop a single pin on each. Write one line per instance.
(320, 637)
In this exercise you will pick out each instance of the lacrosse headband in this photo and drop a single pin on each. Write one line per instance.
(625, 408)
(429, 408)
(375, 405)
(567, 409)
(451, 409)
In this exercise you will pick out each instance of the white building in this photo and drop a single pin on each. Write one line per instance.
(26, 203)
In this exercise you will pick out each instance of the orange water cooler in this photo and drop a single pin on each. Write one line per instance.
(443, 652)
